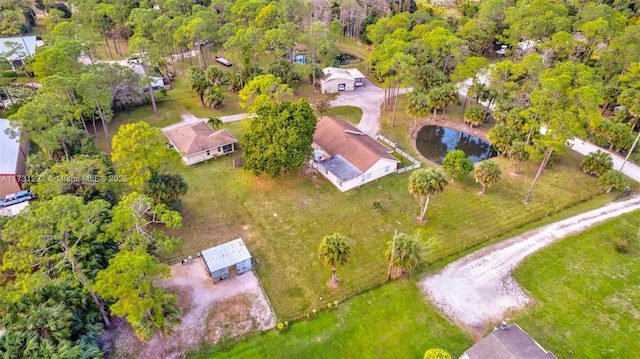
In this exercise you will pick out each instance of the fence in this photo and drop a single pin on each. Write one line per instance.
(416, 163)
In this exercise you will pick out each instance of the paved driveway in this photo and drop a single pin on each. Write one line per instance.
(369, 98)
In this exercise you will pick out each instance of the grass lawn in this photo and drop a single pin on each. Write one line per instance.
(346, 113)
(392, 321)
(586, 296)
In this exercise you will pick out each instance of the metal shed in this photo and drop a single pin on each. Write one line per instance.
(226, 258)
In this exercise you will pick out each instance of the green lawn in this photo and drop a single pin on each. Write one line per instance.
(346, 113)
(587, 296)
(393, 321)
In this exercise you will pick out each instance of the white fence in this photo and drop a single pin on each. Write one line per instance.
(416, 163)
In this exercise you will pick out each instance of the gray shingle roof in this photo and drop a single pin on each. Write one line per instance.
(198, 137)
(509, 343)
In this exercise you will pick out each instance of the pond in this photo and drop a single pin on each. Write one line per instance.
(345, 59)
(434, 142)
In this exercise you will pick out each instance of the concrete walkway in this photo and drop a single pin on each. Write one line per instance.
(478, 289)
(189, 118)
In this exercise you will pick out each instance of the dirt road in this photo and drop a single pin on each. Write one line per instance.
(478, 289)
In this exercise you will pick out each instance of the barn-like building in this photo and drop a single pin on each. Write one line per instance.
(226, 259)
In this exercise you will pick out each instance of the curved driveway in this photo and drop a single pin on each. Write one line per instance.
(369, 98)
(478, 289)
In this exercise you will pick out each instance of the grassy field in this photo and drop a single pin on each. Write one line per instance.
(392, 321)
(346, 113)
(586, 295)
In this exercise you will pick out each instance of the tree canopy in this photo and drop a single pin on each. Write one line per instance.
(280, 138)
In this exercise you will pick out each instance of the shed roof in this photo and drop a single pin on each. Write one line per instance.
(355, 73)
(21, 51)
(225, 255)
(198, 137)
(9, 150)
(338, 137)
(509, 343)
(331, 73)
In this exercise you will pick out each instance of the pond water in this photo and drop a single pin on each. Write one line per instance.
(434, 142)
(344, 59)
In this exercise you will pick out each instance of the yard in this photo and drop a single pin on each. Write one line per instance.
(392, 321)
(586, 295)
(282, 220)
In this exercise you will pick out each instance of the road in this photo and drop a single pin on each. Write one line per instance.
(478, 289)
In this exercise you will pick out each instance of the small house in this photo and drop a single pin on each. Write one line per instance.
(13, 159)
(226, 259)
(337, 80)
(348, 157)
(508, 341)
(197, 142)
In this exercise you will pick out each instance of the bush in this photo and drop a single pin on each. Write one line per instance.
(9, 74)
(597, 163)
(437, 353)
(612, 180)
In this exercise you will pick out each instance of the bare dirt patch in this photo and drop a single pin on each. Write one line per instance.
(478, 290)
(210, 312)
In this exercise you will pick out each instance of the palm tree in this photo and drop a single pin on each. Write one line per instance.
(405, 252)
(214, 122)
(334, 251)
(424, 183)
(449, 96)
(487, 173)
(418, 106)
(597, 163)
(517, 153)
(474, 115)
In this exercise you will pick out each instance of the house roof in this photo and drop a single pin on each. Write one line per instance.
(9, 149)
(332, 73)
(198, 137)
(338, 137)
(225, 255)
(355, 73)
(509, 343)
(341, 168)
(21, 51)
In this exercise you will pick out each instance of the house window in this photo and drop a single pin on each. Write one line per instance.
(369, 175)
(339, 183)
(219, 149)
(208, 153)
(386, 169)
(362, 178)
(341, 87)
(326, 171)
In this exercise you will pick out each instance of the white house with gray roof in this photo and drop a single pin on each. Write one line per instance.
(337, 80)
(348, 157)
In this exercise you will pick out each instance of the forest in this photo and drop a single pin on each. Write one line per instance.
(89, 248)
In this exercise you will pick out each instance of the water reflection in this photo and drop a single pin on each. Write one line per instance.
(434, 142)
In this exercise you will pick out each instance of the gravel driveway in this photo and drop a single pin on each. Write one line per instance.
(478, 289)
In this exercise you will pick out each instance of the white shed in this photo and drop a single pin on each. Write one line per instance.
(227, 258)
(337, 80)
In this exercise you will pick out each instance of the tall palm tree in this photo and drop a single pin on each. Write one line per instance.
(214, 122)
(424, 183)
(405, 252)
(334, 251)
(487, 173)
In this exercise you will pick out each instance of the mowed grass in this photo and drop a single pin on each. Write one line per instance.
(284, 219)
(587, 296)
(392, 321)
(346, 113)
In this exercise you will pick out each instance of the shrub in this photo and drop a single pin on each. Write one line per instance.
(597, 163)
(282, 326)
(437, 353)
(612, 180)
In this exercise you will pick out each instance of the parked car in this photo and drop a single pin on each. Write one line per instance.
(15, 198)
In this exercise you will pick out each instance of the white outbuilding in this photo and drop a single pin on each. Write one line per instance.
(337, 80)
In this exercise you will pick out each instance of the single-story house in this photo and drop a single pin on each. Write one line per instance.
(197, 142)
(13, 159)
(17, 49)
(227, 258)
(348, 157)
(337, 80)
(156, 82)
(508, 341)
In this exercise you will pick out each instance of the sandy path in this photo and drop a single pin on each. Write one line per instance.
(199, 298)
(478, 289)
